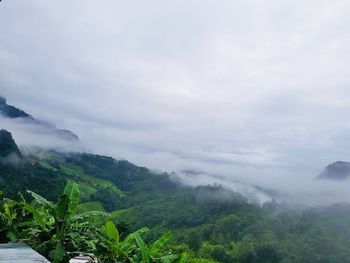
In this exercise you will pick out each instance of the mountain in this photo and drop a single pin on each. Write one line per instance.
(11, 112)
(336, 171)
(7, 145)
(210, 222)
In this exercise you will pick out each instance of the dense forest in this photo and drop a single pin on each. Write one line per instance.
(208, 223)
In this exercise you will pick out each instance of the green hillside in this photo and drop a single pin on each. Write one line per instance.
(230, 230)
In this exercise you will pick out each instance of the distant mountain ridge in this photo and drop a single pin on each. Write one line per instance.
(12, 112)
(210, 219)
(336, 171)
(8, 145)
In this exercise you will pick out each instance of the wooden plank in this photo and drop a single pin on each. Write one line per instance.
(19, 253)
(81, 259)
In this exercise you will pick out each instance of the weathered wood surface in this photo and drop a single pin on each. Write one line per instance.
(80, 259)
(19, 253)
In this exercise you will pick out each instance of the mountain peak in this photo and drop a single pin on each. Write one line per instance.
(2, 100)
(336, 171)
(11, 112)
(8, 145)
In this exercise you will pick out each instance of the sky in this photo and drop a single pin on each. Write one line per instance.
(254, 91)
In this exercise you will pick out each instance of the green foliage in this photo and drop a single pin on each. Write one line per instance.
(7, 144)
(159, 244)
(110, 248)
(87, 206)
(209, 223)
(58, 233)
(56, 230)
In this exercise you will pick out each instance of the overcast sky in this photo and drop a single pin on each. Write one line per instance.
(240, 88)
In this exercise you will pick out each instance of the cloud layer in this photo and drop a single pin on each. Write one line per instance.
(255, 91)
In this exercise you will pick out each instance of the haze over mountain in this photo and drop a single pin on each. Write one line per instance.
(307, 190)
(252, 91)
(11, 112)
(336, 171)
(214, 119)
(209, 222)
(7, 145)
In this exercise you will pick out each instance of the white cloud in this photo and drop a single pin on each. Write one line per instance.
(247, 89)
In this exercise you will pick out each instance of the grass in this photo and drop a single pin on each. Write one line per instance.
(71, 170)
(86, 189)
(118, 213)
(90, 206)
(100, 183)
(47, 166)
(91, 184)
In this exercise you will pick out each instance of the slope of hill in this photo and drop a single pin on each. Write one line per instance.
(209, 221)
(11, 112)
(336, 171)
(7, 145)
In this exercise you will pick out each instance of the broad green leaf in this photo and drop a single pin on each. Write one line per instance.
(89, 214)
(91, 244)
(11, 236)
(41, 200)
(124, 254)
(112, 231)
(104, 238)
(158, 244)
(142, 247)
(138, 232)
(36, 215)
(7, 211)
(59, 253)
(3, 221)
(62, 207)
(72, 191)
(167, 259)
(183, 258)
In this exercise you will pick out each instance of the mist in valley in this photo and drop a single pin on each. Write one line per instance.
(246, 94)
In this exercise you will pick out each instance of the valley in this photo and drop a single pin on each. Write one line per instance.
(210, 222)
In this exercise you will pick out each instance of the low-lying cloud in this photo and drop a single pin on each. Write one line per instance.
(28, 134)
(253, 91)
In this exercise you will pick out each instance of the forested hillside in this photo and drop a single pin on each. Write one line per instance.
(210, 222)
